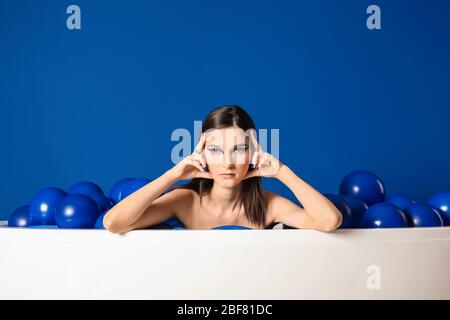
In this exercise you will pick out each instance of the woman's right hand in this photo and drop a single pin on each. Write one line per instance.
(194, 165)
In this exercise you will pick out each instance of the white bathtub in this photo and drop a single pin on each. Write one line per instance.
(219, 264)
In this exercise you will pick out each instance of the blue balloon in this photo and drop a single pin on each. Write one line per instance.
(161, 226)
(86, 188)
(358, 208)
(76, 211)
(43, 205)
(400, 200)
(103, 202)
(44, 227)
(20, 217)
(99, 221)
(364, 186)
(441, 201)
(344, 209)
(133, 186)
(423, 215)
(384, 215)
(231, 227)
(117, 189)
(174, 223)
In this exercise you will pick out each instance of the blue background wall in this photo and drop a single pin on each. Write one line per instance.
(100, 103)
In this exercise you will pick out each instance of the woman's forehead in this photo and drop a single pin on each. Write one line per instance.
(226, 136)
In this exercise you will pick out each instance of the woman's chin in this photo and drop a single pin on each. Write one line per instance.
(227, 183)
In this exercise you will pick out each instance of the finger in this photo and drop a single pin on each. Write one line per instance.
(274, 162)
(199, 148)
(203, 159)
(254, 140)
(200, 162)
(254, 160)
(264, 159)
(184, 161)
(196, 164)
(200, 159)
(188, 159)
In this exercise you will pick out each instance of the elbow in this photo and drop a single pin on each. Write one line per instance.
(332, 223)
(111, 225)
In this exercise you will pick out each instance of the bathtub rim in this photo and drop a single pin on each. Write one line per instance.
(36, 235)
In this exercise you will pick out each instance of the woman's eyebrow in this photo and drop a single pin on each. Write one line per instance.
(213, 146)
(234, 147)
(241, 145)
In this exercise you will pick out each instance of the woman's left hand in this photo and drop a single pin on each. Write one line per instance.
(264, 164)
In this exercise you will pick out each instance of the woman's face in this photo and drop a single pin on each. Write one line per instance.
(227, 154)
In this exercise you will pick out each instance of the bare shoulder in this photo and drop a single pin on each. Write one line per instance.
(275, 199)
(271, 197)
(181, 195)
(278, 207)
(182, 199)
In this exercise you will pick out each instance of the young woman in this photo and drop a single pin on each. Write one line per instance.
(225, 173)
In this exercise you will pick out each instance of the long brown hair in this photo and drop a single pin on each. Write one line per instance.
(251, 195)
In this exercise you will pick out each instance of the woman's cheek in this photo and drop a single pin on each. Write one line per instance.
(242, 159)
(213, 158)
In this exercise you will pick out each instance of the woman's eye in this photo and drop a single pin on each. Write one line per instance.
(240, 150)
(214, 150)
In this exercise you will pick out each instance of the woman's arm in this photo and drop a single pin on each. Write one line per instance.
(144, 208)
(317, 213)
(124, 216)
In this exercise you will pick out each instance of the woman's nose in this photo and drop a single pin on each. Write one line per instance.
(229, 159)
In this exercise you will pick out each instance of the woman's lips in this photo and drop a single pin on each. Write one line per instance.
(227, 175)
